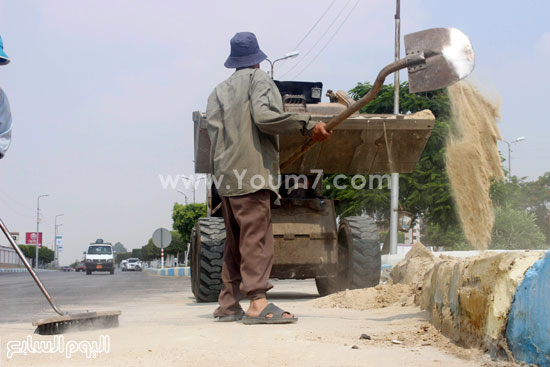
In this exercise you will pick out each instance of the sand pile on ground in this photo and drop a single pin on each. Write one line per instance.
(381, 296)
(407, 278)
(467, 299)
(473, 160)
(413, 268)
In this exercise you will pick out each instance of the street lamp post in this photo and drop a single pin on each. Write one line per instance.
(183, 193)
(509, 143)
(38, 228)
(287, 56)
(55, 239)
(193, 180)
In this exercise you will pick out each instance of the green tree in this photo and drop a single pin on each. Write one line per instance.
(516, 229)
(452, 238)
(28, 250)
(122, 256)
(185, 217)
(150, 251)
(508, 192)
(119, 248)
(177, 246)
(537, 196)
(529, 196)
(400, 235)
(425, 192)
(137, 252)
(45, 255)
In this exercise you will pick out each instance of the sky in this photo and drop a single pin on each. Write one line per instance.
(102, 92)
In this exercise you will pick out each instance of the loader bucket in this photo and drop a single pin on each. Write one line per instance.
(364, 144)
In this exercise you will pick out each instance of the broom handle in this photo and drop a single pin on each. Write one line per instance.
(342, 116)
(29, 268)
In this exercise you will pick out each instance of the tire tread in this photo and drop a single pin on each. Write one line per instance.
(206, 268)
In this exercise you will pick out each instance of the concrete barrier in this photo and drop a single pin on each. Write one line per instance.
(184, 271)
(469, 299)
(528, 329)
(496, 300)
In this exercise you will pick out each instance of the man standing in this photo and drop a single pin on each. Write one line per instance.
(5, 114)
(245, 116)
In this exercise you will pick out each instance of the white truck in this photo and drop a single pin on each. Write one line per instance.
(100, 257)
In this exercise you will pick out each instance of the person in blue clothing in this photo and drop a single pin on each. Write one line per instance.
(5, 113)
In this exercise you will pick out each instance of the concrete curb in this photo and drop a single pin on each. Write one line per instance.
(184, 271)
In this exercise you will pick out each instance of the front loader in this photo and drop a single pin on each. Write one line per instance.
(310, 241)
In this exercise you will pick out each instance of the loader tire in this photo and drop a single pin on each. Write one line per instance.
(326, 286)
(359, 257)
(207, 246)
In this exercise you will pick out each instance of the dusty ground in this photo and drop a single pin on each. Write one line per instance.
(170, 329)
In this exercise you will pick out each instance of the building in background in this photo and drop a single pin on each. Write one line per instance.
(413, 235)
(8, 256)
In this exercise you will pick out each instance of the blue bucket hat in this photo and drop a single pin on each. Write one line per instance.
(4, 59)
(245, 51)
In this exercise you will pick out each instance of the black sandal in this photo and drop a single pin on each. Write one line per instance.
(230, 318)
(277, 317)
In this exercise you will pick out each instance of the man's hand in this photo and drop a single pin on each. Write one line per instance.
(319, 132)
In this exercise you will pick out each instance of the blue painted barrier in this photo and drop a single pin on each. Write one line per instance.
(170, 272)
(528, 329)
(22, 270)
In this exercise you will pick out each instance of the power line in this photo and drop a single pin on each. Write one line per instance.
(7, 197)
(13, 209)
(330, 39)
(315, 25)
(319, 40)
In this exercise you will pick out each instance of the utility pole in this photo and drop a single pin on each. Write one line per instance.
(38, 228)
(395, 176)
(55, 239)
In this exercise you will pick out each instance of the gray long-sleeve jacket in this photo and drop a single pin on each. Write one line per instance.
(244, 118)
(5, 123)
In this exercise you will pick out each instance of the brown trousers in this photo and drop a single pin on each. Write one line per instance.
(248, 255)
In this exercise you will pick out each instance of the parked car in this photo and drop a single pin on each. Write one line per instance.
(123, 264)
(80, 267)
(66, 268)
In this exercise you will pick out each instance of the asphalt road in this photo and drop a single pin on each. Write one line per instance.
(162, 325)
(22, 301)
